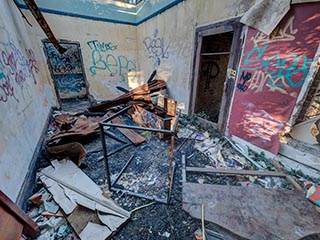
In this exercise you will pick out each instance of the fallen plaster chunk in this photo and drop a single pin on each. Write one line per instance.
(67, 204)
(95, 231)
(71, 188)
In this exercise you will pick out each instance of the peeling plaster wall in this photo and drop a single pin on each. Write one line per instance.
(108, 50)
(25, 99)
(166, 42)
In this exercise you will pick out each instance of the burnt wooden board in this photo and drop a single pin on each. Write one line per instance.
(134, 137)
(253, 213)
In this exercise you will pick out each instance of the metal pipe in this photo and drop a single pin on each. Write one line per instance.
(116, 114)
(138, 128)
(122, 170)
(140, 195)
(105, 155)
(115, 137)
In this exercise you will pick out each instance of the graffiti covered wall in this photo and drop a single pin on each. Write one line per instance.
(270, 76)
(108, 51)
(166, 42)
(25, 98)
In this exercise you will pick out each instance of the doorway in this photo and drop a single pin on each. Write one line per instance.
(67, 70)
(216, 58)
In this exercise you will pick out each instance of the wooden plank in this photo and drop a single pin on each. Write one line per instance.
(169, 105)
(301, 155)
(30, 228)
(288, 177)
(134, 137)
(253, 213)
(235, 172)
(10, 227)
(291, 164)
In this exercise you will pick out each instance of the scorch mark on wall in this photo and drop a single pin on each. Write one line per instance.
(104, 60)
(156, 47)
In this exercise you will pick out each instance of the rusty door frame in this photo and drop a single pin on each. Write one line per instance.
(64, 41)
(231, 25)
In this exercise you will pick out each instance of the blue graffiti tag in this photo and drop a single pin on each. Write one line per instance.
(119, 65)
(156, 47)
(278, 67)
(101, 46)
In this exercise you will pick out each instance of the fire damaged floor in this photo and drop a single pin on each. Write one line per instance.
(147, 173)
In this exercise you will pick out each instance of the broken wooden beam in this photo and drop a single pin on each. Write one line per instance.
(134, 137)
(31, 4)
(288, 177)
(235, 172)
(142, 92)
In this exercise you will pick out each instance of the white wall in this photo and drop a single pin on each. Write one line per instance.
(25, 99)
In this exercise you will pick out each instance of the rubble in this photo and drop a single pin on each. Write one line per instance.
(143, 169)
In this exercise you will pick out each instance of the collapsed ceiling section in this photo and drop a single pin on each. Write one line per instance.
(131, 12)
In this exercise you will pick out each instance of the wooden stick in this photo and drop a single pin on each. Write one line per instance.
(235, 172)
(288, 177)
(202, 223)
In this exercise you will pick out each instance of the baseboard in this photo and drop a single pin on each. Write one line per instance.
(29, 181)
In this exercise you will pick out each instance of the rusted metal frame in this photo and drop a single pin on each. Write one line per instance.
(43, 24)
(105, 153)
(116, 114)
(113, 136)
(140, 195)
(122, 171)
(171, 170)
(170, 132)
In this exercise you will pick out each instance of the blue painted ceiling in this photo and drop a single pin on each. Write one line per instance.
(105, 10)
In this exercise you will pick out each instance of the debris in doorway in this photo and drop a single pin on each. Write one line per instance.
(83, 201)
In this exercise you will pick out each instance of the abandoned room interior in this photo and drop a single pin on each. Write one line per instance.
(160, 119)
